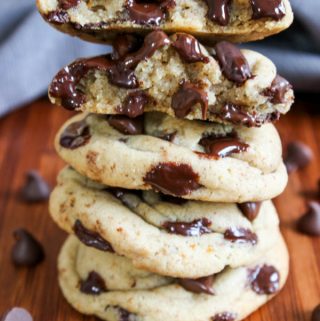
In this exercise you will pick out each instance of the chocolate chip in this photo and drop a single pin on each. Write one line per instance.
(222, 146)
(250, 209)
(298, 156)
(35, 189)
(225, 316)
(124, 45)
(274, 9)
(68, 4)
(201, 285)
(125, 125)
(93, 284)
(27, 251)
(219, 11)
(147, 13)
(134, 104)
(233, 64)
(57, 17)
(240, 235)
(194, 228)
(309, 223)
(90, 238)
(17, 314)
(75, 135)
(278, 89)
(264, 279)
(186, 97)
(189, 48)
(172, 178)
(316, 314)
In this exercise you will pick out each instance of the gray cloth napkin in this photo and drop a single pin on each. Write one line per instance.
(31, 52)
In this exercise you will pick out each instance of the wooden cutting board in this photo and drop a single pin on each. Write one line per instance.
(26, 142)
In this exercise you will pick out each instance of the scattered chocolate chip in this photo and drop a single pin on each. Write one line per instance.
(90, 238)
(186, 97)
(316, 314)
(126, 125)
(298, 156)
(93, 284)
(250, 209)
(148, 13)
(194, 228)
(240, 235)
(169, 137)
(222, 146)
(17, 314)
(264, 279)
(35, 189)
(225, 316)
(278, 89)
(274, 9)
(201, 285)
(309, 223)
(68, 4)
(189, 48)
(27, 251)
(233, 64)
(57, 17)
(134, 104)
(75, 135)
(172, 178)
(219, 11)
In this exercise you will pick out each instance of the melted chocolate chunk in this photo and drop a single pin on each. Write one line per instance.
(298, 156)
(186, 97)
(194, 228)
(224, 316)
(126, 125)
(57, 17)
(233, 64)
(264, 280)
(201, 285)
(134, 104)
(68, 4)
(27, 251)
(274, 9)
(250, 209)
(90, 238)
(309, 223)
(149, 12)
(75, 135)
(278, 89)
(219, 11)
(222, 146)
(240, 235)
(16, 314)
(171, 178)
(93, 284)
(316, 314)
(124, 45)
(189, 48)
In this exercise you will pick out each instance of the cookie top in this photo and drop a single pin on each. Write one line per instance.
(161, 234)
(236, 20)
(177, 76)
(231, 295)
(190, 159)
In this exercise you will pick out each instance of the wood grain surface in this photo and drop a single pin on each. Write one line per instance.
(26, 142)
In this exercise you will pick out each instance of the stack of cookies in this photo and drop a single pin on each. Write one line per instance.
(173, 161)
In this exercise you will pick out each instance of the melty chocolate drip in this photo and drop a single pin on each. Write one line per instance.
(278, 89)
(90, 238)
(189, 48)
(219, 11)
(149, 12)
(250, 209)
(264, 280)
(68, 4)
(126, 125)
(274, 9)
(201, 285)
(232, 62)
(194, 228)
(222, 146)
(241, 235)
(172, 178)
(75, 135)
(186, 97)
(93, 284)
(134, 104)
